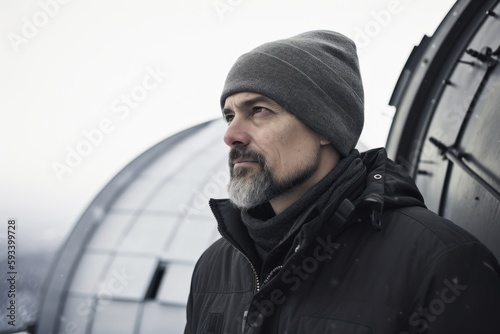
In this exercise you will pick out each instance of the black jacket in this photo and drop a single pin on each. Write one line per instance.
(377, 262)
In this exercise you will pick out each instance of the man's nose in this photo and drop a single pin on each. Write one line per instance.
(236, 133)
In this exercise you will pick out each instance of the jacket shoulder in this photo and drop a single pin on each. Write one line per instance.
(421, 221)
(418, 237)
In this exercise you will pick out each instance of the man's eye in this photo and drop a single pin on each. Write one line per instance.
(228, 118)
(260, 110)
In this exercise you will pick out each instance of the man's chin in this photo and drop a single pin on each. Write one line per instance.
(244, 170)
(246, 191)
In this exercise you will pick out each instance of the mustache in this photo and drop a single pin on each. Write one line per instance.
(245, 153)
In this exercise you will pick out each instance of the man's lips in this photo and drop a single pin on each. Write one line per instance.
(243, 161)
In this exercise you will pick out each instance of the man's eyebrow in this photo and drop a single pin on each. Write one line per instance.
(248, 103)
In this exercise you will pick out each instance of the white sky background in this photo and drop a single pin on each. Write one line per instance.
(68, 75)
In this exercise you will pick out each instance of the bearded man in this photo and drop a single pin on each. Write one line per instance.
(316, 237)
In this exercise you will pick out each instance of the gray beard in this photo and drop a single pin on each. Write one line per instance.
(247, 191)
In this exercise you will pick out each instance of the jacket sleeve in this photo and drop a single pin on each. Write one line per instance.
(459, 294)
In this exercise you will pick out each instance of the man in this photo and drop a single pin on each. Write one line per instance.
(317, 238)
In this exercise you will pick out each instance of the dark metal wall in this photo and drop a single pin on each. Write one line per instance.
(446, 131)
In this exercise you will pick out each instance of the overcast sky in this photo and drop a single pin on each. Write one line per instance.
(112, 78)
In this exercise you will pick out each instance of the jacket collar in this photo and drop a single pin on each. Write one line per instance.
(232, 228)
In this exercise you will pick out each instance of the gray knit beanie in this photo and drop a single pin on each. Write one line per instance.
(314, 75)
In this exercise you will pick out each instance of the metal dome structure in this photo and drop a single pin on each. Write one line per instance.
(445, 130)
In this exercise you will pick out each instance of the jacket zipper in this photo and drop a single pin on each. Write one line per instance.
(257, 281)
(256, 276)
(271, 273)
(218, 218)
